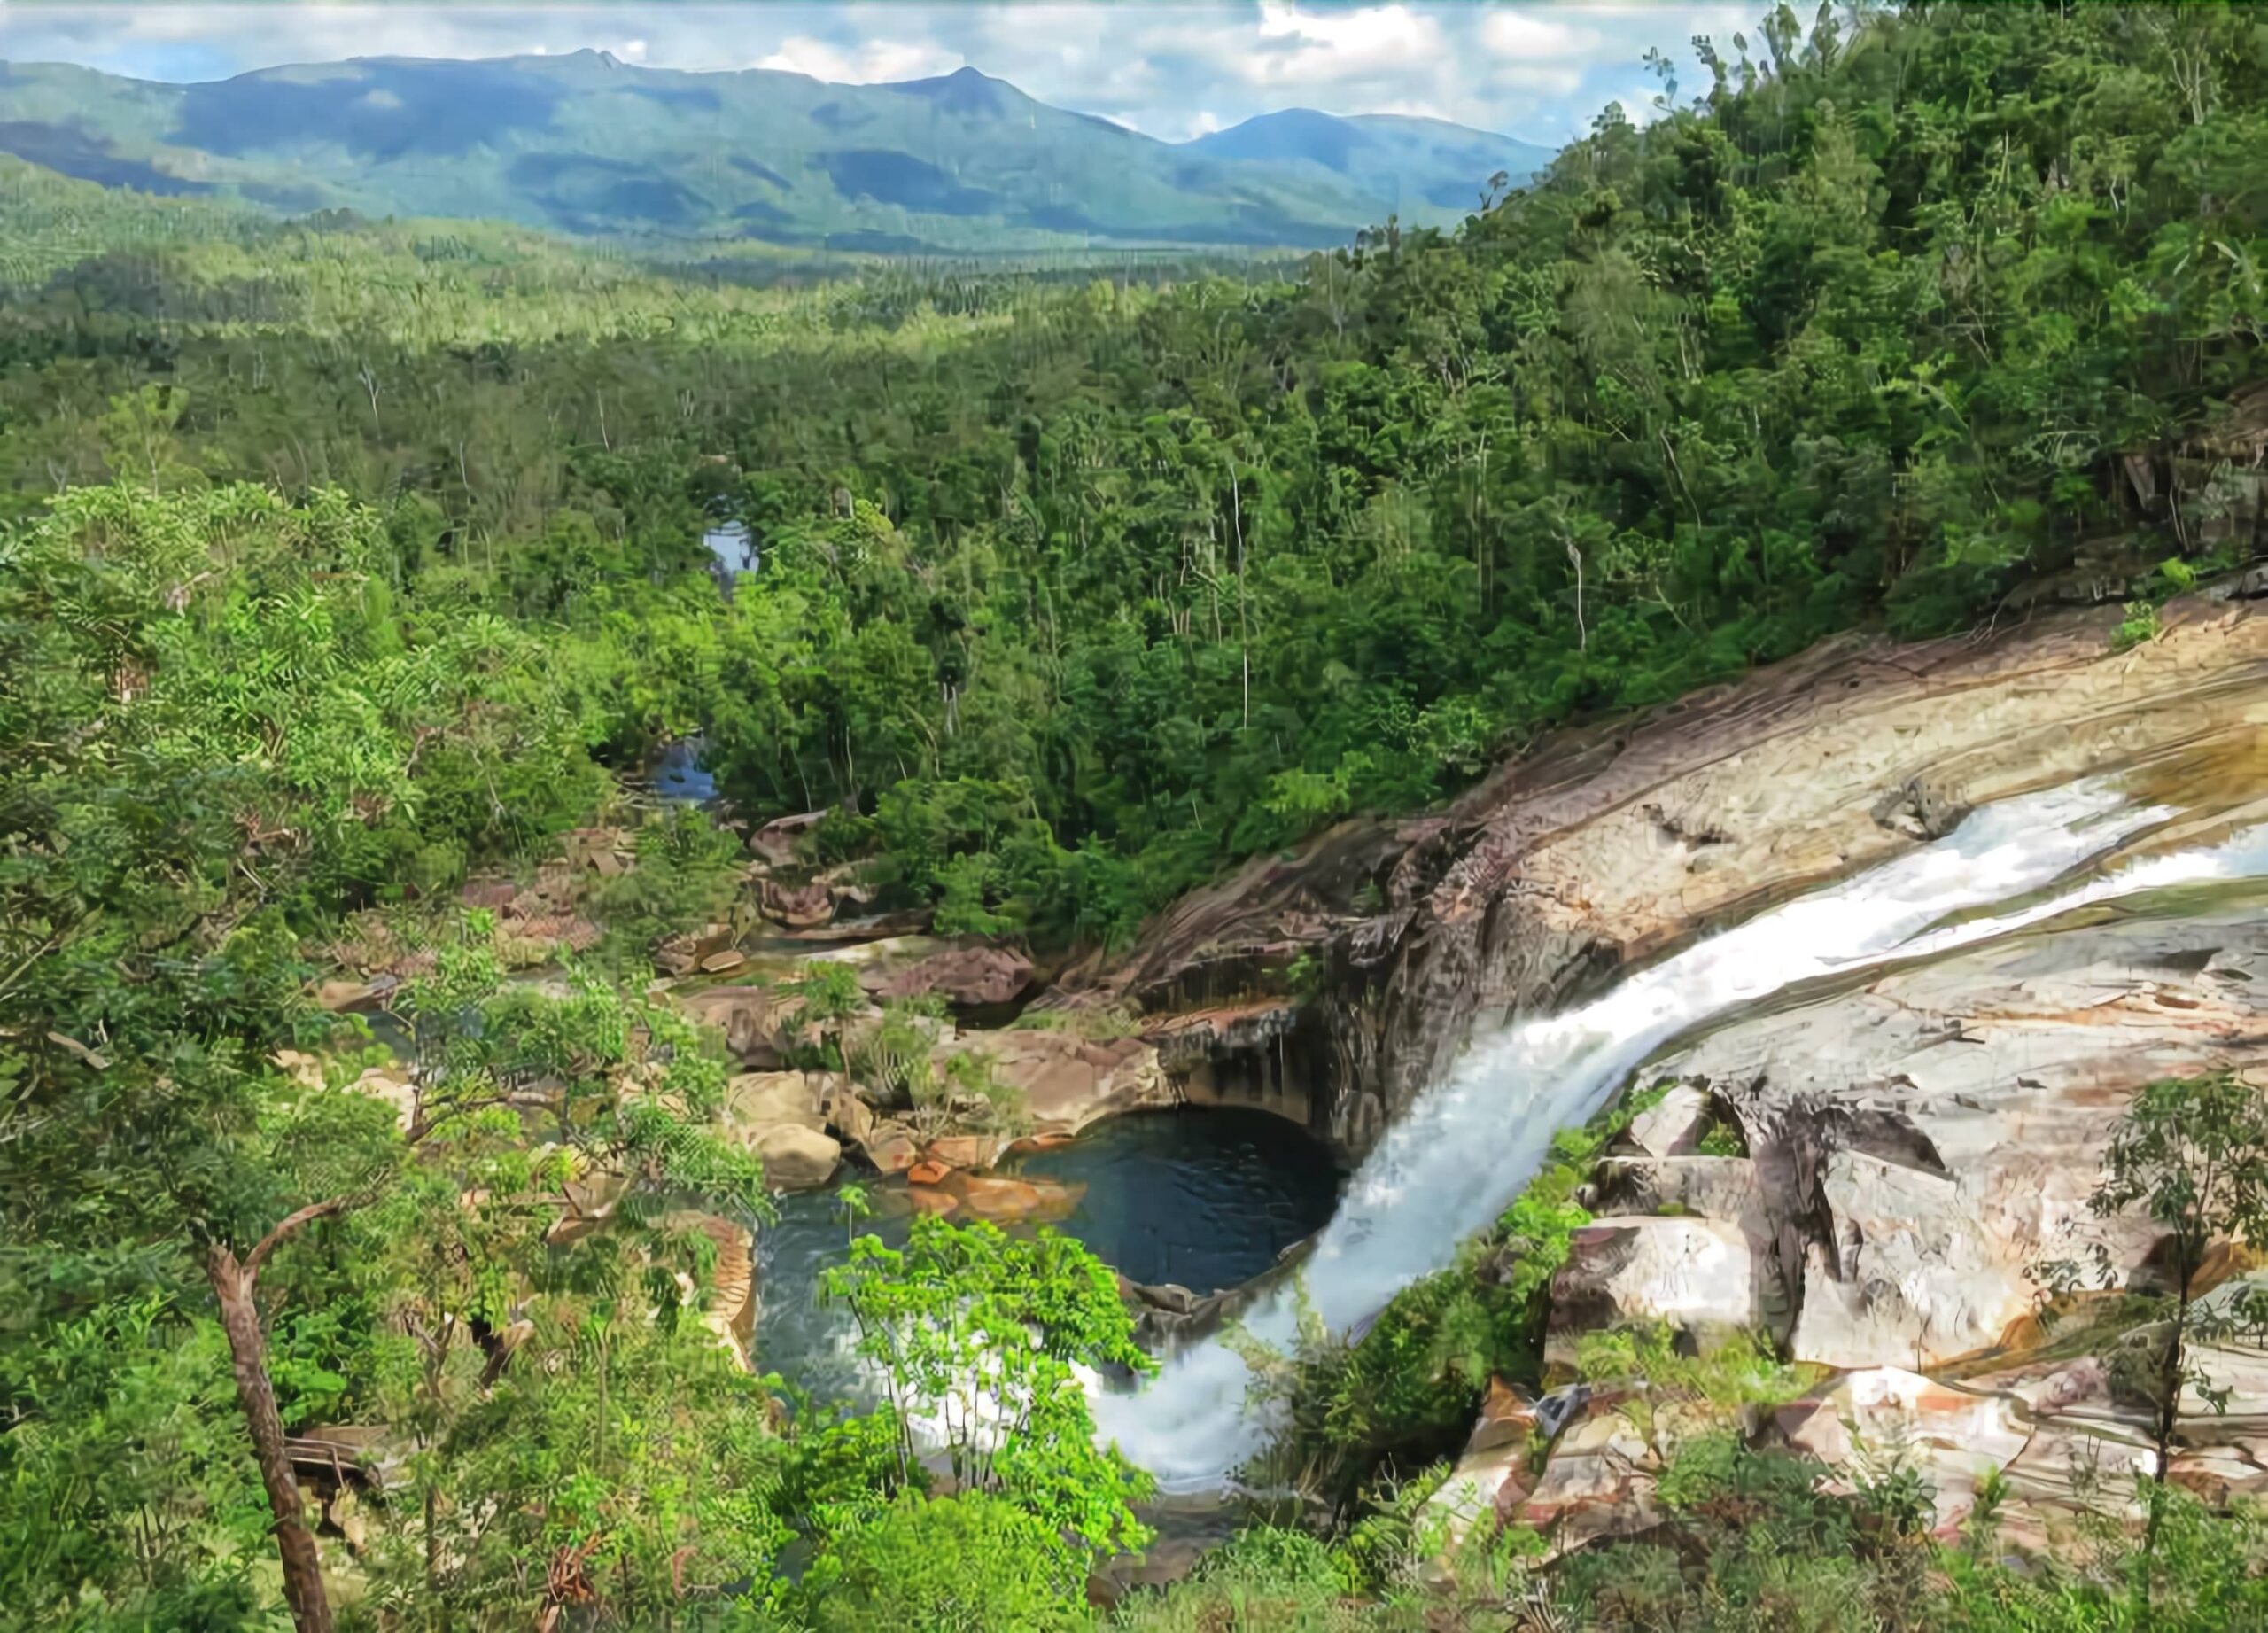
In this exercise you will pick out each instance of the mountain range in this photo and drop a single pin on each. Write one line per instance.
(585, 144)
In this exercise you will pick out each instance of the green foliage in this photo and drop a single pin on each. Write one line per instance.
(2191, 1153)
(1742, 1369)
(976, 1334)
(976, 1563)
(686, 875)
(1071, 593)
(2208, 1572)
(2139, 625)
(629, 1457)
(125, 1499)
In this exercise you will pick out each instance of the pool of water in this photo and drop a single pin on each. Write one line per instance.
(1207, 1199)
(1204, 1199)
(677, 774)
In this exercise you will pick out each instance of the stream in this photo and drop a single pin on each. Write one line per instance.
(1472, 1140)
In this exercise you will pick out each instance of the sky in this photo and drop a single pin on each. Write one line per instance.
(1536, 71)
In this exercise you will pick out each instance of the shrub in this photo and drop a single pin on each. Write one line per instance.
(971, 1564)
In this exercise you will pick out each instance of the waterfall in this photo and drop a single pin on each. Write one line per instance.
(1470, 1141)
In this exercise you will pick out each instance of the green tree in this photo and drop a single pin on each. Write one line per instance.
(2191, 1155)
(977, 1337)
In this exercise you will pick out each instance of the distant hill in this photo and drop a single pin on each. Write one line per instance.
(1419, 167)
(585, 144)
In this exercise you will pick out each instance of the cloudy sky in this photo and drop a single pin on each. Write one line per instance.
(1538, 71)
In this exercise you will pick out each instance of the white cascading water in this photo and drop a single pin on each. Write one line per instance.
(1468, 1144)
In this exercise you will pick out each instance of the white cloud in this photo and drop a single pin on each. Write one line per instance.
(1540, 71)
(871, 62)
(1525, 36)
(1330, 48)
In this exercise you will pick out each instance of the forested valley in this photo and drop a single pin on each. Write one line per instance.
(350, 567)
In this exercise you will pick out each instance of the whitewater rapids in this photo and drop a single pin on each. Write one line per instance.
(1472, 1141)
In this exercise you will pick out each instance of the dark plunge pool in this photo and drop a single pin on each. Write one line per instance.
(1207, 1199)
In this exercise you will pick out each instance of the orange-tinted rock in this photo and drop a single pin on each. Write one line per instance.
(927, 1173)
(1016, 1200)
(923, 1198)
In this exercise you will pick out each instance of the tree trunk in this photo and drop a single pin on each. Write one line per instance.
(303, 1586)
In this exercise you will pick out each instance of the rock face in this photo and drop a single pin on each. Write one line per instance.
(1067, 1081)
(774, 843)
(1609, 844)
(966, 977)
(1919, 1143)
(1923, 1141)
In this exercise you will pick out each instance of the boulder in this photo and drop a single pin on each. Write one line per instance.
(1597, 1482)
(966, 977)
(890, 1147)
(927, 1173)
(850, 884)
(1673, 1125)
(966, 1151)
(798, 907)
(757, 1101)
(1911, 1259)
(1508, 1417)
(1697, 1275)
(775, 842)
(300, 1067)
(341, 994)
(762, 1025)
(1714, 1187)
(1014, 1201)
(849, 1117)
(1066, 1081)
(681, 955)
(394, 1085)
(722, 963)
(798, 1158)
